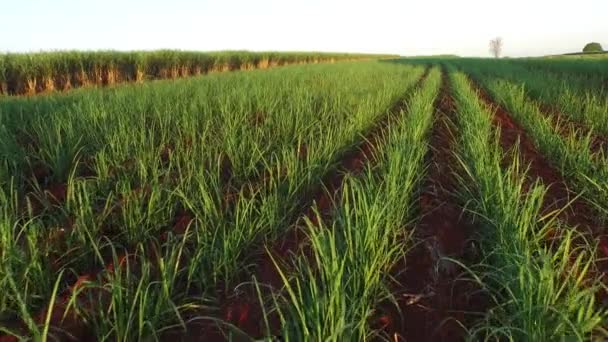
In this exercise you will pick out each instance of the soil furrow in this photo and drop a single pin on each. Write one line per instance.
(434, 300)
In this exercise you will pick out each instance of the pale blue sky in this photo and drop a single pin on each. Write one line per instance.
(422, 27)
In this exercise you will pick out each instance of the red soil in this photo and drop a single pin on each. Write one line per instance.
(431, 298)
(67, 324)
(182, 221)
(86, 168)
(257, 119)
(57, 193)
(226, 168)
(166, 153)
(40, 172)
(53, 194)
(302, 151)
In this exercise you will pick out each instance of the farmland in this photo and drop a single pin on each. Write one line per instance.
(383, 199)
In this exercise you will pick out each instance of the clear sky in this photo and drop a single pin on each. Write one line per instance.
(421, 27)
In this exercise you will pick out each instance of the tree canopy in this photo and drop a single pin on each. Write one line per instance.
(593, 47)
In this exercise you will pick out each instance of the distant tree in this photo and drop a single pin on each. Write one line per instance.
(593, 47)
(496, 47)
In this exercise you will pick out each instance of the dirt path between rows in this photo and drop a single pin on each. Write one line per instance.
(434, 298)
